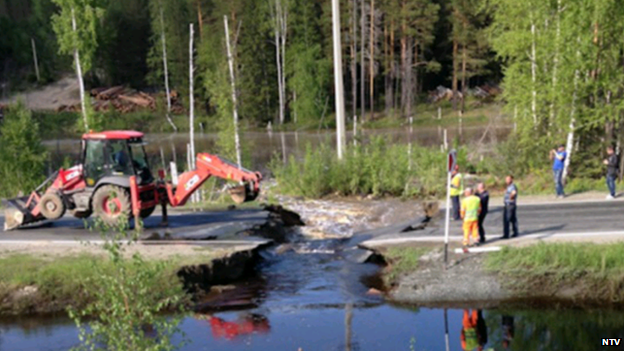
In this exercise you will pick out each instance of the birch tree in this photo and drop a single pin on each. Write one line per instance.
(230, 59)
(75, 27)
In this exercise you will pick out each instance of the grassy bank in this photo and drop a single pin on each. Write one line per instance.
(401, 261)
(583, 271)
(40, 284)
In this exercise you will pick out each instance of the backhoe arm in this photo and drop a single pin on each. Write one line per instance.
(207, 166)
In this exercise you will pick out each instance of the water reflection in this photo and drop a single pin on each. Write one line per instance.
(474, 331)
(245, 324)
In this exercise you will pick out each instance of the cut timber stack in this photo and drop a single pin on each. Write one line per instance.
(123, 99)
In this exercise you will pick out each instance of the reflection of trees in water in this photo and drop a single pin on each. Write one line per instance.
(556, 330)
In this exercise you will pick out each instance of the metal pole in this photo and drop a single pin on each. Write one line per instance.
(447, 219)
(338, 84)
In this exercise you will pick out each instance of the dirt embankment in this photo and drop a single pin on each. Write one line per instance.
(468, 283)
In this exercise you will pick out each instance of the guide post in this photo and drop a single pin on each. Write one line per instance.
(451, 164)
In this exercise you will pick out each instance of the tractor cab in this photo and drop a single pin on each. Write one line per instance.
(114, 154)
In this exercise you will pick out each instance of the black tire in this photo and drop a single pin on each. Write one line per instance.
(111, 203)
(82, 214)
(51, 206)
(146, 212)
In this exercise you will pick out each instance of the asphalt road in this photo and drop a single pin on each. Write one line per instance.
(196, 225)
(540, 221)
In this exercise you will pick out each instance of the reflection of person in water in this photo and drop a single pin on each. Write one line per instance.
(247, 324)
(474, 331)
(508, 330)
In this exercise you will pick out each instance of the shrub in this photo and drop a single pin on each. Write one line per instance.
(22, 156)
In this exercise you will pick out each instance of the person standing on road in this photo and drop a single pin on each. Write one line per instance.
(558, 157)
(470, 209)
(484, 196)
(457, 188)
(509, 212)
(613, 166)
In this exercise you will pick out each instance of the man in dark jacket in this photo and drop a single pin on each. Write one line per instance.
(613, 166)
(485, 200)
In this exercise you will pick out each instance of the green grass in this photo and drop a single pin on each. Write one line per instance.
(597, 270)
(402, 261)
(60, 281)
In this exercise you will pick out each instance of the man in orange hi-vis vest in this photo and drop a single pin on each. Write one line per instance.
(470, 209)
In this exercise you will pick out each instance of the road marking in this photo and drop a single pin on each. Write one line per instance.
(440, 238)
(479, 249)
(146, 242)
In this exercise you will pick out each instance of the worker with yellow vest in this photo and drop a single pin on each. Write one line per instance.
(457, 188)
(470, 209)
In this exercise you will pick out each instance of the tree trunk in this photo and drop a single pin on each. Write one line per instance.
(200, 19)
(533, 75)
(555, 65)
(83, 104)
(371, 63)
(233, 84)
(454, 81)
(388, 73)
(570, 139)
(362, 65)
(404, 82)
(283, 19)
(338, 83)
(191, 99)
(463, 81)
(34, 50)
(279, 61)
(393, 80)
(166, 71)
(354, 60)
(409, 80)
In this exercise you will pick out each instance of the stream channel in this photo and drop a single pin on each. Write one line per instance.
(313, 296)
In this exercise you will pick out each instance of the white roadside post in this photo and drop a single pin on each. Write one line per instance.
(451, 162)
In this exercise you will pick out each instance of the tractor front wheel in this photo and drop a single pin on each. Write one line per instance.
(51, 206)
(111, 203)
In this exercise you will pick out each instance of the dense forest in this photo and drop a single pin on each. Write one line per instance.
(394, 51)
(560, 63)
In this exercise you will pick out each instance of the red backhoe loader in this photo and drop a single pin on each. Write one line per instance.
(114, 180)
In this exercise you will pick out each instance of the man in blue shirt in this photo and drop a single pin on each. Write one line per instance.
(558, 156)
(509, 212)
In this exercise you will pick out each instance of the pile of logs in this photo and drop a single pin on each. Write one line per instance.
(123, 99)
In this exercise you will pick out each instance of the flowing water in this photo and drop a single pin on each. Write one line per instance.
(314, 298)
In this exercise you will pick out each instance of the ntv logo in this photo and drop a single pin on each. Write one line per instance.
(610, 342)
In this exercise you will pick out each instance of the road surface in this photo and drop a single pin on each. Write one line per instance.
(204, 225)
(538, 221)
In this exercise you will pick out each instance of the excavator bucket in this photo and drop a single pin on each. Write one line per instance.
(242, 193)
(18, 213)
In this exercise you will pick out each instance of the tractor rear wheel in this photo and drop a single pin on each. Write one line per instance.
(111, 203)
(146, 212)
(51, 206)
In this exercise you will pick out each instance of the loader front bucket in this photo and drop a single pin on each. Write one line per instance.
(242, 193)
(18, 213)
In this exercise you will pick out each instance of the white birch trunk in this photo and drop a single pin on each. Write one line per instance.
(284, 27)
(555, 64)
(570, 141)
(233, 83)
(191, 106)
(533, 75)
(166, 71)
(278, 59)
(338, 83)
(83, 105)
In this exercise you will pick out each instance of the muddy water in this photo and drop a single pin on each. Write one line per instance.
(310, 296)
(263, 146)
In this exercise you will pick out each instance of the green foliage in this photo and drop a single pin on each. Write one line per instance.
(126, 307)
(377, 168)
(86, 13)
(22, 156)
